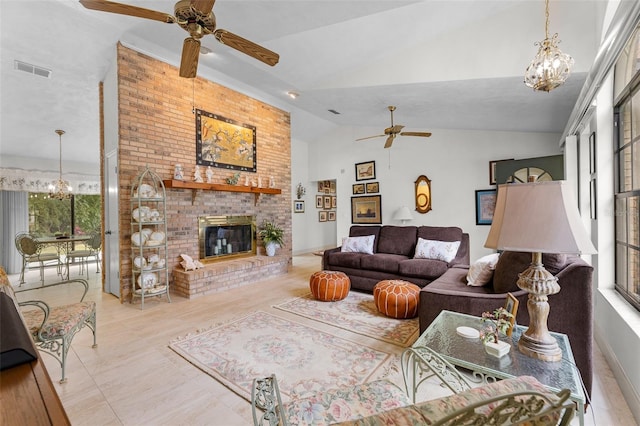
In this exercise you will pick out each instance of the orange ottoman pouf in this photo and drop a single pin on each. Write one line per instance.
(329, 286)
(397, 298)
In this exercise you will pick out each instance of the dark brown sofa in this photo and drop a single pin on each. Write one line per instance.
(394, 248)
(571, 310)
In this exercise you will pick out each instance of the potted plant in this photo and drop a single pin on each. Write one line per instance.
(496, 322)
(272, 237)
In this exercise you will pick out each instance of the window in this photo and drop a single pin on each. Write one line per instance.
(627, 195)
(80, 213)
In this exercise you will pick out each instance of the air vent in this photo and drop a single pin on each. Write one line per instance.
(32, 69)
(333, 111)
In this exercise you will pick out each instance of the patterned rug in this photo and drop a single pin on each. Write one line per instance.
(305, 360)
(358, 314)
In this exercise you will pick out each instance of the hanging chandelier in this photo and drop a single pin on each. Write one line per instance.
(550, 67)
(60, 189)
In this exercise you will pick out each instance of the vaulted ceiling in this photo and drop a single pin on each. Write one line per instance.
(445, 64)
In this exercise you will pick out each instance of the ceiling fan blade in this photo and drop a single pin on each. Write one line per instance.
(423, 134)
(370, 137)
(125, 9)
(203, 6)
(247, 47)
(389, 141)
(189, 62)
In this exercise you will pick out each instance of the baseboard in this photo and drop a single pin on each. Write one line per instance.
(627, 389)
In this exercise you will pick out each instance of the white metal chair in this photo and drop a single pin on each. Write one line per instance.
(92, 249)
(31, 252)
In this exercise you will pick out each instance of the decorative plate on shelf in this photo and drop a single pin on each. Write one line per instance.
(147, 280)
(138, 239)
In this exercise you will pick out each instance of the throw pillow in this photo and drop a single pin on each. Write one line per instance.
(438, 250)
(481, 272)
(358, 244)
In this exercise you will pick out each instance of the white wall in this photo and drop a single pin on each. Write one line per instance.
(457, 162)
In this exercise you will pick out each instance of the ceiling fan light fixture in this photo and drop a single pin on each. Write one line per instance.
(550, 68)
(204, 50)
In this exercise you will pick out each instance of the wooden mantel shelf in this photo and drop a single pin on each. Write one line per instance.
(194, 186)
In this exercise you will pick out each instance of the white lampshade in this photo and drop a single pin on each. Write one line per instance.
(538, 217)
(403, 214)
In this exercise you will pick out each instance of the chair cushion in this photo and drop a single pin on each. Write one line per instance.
(344, 404)
(346, 260)
(62, 319)
(422, 268)
(440, 233)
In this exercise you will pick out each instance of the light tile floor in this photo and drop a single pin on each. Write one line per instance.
(133, 378)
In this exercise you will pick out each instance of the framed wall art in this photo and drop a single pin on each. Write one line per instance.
(331, 217)
(366, 209)
(492, 170)
(298, 206)
(366, 170)
(334, 202)
(318, 201)
(225, 143)
(326, 202)
(322, 216)
(485, 206)
(357, 188)
(373, 187)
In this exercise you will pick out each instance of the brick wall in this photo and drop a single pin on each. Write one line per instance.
(157, 128)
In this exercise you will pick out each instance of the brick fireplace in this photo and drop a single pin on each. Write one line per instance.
(156, 127)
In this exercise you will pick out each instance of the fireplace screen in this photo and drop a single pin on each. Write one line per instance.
(226, 236)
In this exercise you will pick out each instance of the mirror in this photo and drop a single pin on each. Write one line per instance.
(423, 194)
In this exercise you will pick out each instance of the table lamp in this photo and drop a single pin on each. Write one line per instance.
(403, 214)
(540, 217)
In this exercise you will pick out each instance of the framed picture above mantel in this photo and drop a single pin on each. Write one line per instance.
(225, 143)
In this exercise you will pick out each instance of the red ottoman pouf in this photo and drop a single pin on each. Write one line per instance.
(397, 298)
(329, 286)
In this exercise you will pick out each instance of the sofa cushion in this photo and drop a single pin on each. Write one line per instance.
(440, 233)
(512, 263)
(361, 231)
(362, 244)
(422, 268)
(438, 250)
(397, 240)
(481, 271)
(346, 260)
(382, 262)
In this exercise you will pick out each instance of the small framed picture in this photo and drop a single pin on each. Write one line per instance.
(331, 217)
(333, 187)
(366, 170)
(485, 206)
(492, 170)
(327, 202)
(334, 202)
(327, 187)
(322, 216)
(511, 306)
(358, 188)
(298, 206)
(320, 186)
(318, 201)
(373, 187)
(592, 153)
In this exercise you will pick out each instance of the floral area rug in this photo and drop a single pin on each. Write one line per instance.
(358, 314)
(304, 359)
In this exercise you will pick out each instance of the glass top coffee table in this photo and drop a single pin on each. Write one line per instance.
(469, 353)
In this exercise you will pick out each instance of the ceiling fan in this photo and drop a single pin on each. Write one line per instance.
(197, 18)
(395, 130)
